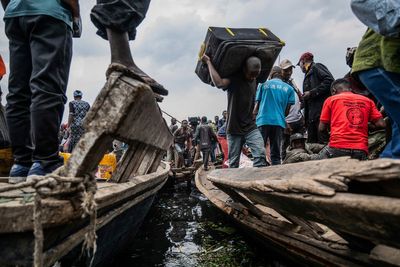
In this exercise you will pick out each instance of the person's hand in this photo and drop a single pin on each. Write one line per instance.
(77, 27)
(306, 95)
(205, 59)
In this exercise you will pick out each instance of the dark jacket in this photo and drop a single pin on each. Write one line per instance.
(318, 82)
(205, 136)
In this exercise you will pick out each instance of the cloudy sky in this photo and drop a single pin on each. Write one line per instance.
(169, 39)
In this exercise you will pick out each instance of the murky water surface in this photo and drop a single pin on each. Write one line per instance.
(184, 229)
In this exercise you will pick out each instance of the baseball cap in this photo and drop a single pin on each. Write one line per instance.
(285, 64)
(305, 56)
(77, 93)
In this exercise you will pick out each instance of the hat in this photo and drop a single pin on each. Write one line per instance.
(275, 69)
(305, 56)
(77, 93)
(296, 136)
(285, 64)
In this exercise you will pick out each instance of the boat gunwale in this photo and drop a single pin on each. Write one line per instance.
(57, 212)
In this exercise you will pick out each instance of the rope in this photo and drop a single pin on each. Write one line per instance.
(54, 185)
(172, 117)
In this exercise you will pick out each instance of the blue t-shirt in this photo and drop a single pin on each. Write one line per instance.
(273, 97)
(53, 8)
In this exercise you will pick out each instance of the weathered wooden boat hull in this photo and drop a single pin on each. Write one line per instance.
(122, 208)
(340, 211)
(114, 237)
(283, 236)
(283, 188)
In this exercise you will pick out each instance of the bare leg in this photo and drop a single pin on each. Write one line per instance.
(121, 53)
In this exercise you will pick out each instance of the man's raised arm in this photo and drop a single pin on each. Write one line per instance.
(219, 82)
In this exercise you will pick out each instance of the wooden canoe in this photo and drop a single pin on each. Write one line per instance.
(358, 200)
(316, 245)
(63, 227)
(125, 110)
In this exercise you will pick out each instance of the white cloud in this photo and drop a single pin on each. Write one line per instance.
(169, 39)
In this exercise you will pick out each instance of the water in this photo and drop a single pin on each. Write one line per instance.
(184, 229)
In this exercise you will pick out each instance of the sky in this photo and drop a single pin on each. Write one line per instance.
(169, 39)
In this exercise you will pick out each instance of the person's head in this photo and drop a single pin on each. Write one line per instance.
(77, 94)
(340, 85)
(297, 140)
(305, 61)
(204, 119)
(276, 72)
(173, 121)
(350, 56)
(224, 114)
(287, 69)
(216, 119)
(184, 124)
(252, 68)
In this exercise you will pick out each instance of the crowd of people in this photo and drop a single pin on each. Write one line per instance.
(197, 135)
(328, 119)
(337, 114)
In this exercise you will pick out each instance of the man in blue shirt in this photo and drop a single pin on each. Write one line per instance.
(40, 42)
(273, 101)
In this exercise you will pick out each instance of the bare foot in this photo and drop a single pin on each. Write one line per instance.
(155, 86)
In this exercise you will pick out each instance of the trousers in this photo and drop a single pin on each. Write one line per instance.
(206, 154)
(120, 15)
(40, 58)
(331, 152)
(254, 140)
(274, 134)
(385, 86)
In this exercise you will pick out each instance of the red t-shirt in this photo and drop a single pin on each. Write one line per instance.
(348, 115)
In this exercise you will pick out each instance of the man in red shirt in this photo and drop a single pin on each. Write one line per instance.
(347, 114)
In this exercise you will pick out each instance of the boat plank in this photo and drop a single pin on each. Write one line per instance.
(323, 177)
(370, 217)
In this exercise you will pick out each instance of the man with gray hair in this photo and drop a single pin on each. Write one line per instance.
(241, 127)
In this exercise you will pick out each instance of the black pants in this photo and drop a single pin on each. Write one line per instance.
(120, 15)
(40, 58)
(314, 136)
(330, 152)
(206, 154)
(274, 134)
